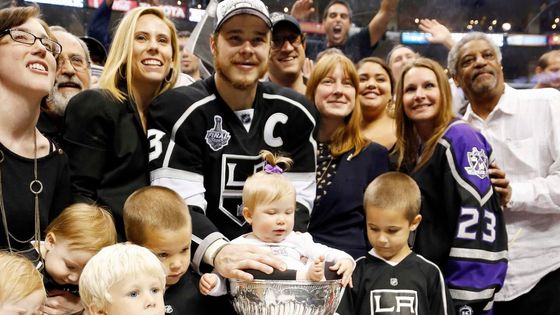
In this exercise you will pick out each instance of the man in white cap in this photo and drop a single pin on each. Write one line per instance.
(206, 139)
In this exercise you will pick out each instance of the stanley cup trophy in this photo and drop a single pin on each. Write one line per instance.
(286, 297)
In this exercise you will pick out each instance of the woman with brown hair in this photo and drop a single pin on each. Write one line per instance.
(462, 229)
(34, 182)
(376, 100)
(346, 162)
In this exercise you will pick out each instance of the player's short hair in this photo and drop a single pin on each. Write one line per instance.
(113, 264)
(154, 208)
(267, 187)
(394, 190)
(84, 227)
(19, 278)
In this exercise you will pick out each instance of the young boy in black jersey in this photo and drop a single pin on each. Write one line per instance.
(158, 218)
(391, 279)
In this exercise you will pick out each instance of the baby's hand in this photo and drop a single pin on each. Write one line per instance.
(344, 267)
(316, 270)
(207, 283)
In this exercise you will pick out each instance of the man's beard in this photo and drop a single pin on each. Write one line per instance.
(58, 100)
(240, 84)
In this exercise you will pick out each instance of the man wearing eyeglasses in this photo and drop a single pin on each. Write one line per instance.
(72, 77)
(287, 53)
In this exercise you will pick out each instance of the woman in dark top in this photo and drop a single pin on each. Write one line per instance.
(34, 182)
(346, 162)
(105, 134)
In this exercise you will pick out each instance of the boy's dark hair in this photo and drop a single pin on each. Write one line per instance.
(333, 2)
(394, 190)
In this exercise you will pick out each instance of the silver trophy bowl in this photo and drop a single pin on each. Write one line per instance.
(286, 297)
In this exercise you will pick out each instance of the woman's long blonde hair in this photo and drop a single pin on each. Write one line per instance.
(408, 142)
(120, 55)
(349, 136)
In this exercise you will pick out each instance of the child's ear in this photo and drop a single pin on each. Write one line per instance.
(50, 240)
(247, 215)
(93, 310)
(414, 224)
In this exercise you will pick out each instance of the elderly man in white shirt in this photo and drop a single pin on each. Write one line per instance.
(523, 127)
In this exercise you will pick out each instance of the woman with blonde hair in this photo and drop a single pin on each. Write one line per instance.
(105, 129)
(346, 162)
(462, 228)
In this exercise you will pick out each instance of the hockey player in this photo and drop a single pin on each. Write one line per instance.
(205, 138)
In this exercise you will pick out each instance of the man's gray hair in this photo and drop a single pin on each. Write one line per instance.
(58, 28)
(453, 57)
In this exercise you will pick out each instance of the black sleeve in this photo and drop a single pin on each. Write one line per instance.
(301, 221)
(61, 198)
(86, 139)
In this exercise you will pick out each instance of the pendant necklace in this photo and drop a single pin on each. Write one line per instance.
(36, 187)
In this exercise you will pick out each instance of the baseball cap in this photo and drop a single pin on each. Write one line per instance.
(97, 52)
(279, 18)
(230, 8)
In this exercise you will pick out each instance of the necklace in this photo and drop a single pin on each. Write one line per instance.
(36, 187)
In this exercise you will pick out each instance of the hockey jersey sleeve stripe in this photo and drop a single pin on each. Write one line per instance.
(305, 186)
(202, 248)
(475, 274)
(189, 185)
(442, 283)
(477, 254)
(179, 123)
(468, 187)
(465, 295)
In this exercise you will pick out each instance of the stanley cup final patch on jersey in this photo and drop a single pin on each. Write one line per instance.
(478, 163)
(393, 302)
(217, 137)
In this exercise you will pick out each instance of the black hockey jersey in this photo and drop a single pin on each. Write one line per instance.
(202, 150)
(462, 229)
(413, 286)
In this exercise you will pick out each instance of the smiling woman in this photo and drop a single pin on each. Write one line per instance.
(346, 160)
(34, 183)
(105, 134)
(436, 148)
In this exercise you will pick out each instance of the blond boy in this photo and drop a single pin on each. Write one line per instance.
(123, 279)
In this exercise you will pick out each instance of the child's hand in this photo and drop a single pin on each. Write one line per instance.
(316, 271)
(207, 283)
(62, 302)
(344, 267)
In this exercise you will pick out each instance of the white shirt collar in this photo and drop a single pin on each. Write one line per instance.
(505, 105)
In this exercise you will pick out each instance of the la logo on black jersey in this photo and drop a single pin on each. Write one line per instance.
(393, 302)
(235, 169)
